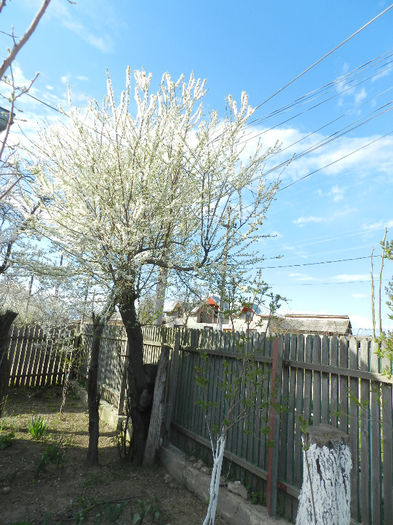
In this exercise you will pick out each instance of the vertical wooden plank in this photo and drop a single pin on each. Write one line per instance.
(20, 354)
(52, 359)
(308, 381)
(41, 358)
(274, 424)
(334, 393)
(365, 436)
(27, 352)
(298, 455)
(12, 350)
(266, 397)
(343, 385)
(33, 379)
(387, 451)
(316, 394)
(354, 429)
(32, 357)
(284, 406)
(291, 421)
(376, 437)
(325, 409)
(47, 359)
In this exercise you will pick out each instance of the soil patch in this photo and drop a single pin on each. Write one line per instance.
(46, 481)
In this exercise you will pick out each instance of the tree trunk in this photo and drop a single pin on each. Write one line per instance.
(158, 409)
(139, 390)
(6, 320)
(218, 450)
(325, 497)
(92, 391)
(160, 295)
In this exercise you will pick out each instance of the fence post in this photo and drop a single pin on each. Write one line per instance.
(274, 427)
(158, 410)
(173, 371)
(326, 491)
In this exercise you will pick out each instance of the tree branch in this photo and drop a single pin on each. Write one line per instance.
(18, 46)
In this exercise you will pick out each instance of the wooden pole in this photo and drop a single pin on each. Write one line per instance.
(158, 410)
(174, 368)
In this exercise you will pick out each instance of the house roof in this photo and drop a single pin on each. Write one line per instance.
(313, 324)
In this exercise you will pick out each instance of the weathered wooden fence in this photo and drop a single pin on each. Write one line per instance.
(335, 380)
(320, 380)
(113, 353)
(37, 357)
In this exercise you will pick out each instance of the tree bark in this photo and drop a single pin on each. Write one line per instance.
(6, 320)
(325, 497)
(158, 409)
(139, 388)
(160, 295)
(92, 391)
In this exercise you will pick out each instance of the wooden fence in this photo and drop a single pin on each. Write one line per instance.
(335, 380)
(37, 357)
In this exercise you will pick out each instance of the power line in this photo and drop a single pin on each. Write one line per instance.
(335, 161)
(314, 94)
(34, 97)
(376, 113)
(319, 262)
(316, 105)
(334, 283)
(325, 56)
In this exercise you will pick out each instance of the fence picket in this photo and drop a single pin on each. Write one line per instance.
(354, 429)
(334, 393)
(299, 411)
(365, 481)
(325, 410)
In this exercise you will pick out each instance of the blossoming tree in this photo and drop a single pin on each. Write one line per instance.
(133, 186)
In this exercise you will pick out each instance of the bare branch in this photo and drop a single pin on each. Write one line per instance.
(18, 46)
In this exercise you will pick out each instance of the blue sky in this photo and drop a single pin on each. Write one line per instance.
(340, 211)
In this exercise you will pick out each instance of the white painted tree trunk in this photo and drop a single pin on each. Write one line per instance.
(218, 456)
(326, 492)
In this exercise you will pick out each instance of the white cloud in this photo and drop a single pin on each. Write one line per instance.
(360, 321)
(306, 220)
(81, 19)
(302, 154)
(65, 79)
(302, 277)
(359, 295)
(360, 96)
(337, 193)
(380, 225)
(383, 73)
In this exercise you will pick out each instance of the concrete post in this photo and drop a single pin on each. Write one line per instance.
(325, 498)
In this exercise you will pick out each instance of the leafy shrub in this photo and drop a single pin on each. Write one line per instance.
(37, 427)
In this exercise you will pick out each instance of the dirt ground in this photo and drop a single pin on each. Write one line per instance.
(47, 482)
